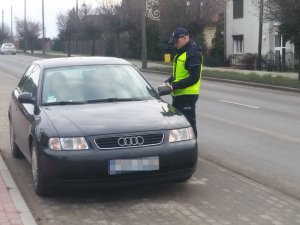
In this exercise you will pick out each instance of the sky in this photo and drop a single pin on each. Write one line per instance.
(34, 11)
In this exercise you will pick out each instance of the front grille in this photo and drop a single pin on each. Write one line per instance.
(132, 141)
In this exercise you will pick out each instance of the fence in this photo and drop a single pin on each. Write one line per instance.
(270, 62)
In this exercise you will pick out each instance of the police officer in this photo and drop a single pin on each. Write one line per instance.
(187, 72)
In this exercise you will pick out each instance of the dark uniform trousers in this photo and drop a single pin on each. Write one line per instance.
(186, 104)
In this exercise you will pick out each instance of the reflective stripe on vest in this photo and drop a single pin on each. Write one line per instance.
(179, 73)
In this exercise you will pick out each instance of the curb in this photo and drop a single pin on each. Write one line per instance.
(20, 204)
(268, 86)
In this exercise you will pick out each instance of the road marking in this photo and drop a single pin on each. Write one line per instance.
(253, 128)
(240, 104)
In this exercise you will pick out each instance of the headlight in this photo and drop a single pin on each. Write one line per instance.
(78, 143)
(181, 134)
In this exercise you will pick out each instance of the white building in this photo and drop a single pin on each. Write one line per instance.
(242, 35)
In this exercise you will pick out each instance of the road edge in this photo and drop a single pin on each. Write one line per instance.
(252, 84)
(14, 192)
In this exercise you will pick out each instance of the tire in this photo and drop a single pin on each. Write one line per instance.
(40, 184)
(183, 179)
(16, 152)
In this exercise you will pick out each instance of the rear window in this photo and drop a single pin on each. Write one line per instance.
(8, 45)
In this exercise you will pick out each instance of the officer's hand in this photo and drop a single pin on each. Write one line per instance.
(169, 85)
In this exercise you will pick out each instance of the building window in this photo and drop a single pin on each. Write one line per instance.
(238, 44)
(238, 9)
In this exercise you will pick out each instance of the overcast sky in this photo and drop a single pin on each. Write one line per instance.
(34, 11)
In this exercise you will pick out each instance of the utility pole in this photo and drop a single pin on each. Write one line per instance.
(25, 29)
(2, 20)
(144, 40)
(261, 20)
(225, 32)
(43, 19)
(77, 17)
(11, 23)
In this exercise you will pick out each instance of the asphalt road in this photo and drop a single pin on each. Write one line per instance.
(252, 131)
(248, 130)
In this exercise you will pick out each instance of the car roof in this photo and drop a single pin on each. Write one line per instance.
(80, 61)
(8, 44)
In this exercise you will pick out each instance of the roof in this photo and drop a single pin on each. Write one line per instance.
(80, 61)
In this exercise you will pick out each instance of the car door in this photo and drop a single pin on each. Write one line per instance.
(15, 115)
(25, 111)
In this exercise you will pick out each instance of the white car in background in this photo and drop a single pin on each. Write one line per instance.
(8, 48)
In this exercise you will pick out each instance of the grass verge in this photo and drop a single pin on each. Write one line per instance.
(252, 77)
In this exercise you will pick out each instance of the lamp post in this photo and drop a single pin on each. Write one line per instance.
(261, 20)
(2, 20)
(147, 11)
(43, 19)
(11, 23)
(25, 29)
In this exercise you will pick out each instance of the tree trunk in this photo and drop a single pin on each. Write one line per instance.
(31, 46)
(299, 72)
(117, 43)
(297, 55)
(69, 47)
(93, 48)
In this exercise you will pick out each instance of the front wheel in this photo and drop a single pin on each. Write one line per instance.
(39, 180)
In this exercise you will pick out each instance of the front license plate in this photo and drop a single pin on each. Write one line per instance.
(118, 166)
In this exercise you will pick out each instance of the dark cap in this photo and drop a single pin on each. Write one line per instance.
(178, 33)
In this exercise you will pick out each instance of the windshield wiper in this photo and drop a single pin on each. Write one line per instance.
(65, 103)
(114, 100)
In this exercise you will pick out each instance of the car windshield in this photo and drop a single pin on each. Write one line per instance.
(94, 83)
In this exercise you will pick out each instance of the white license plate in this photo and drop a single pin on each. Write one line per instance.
(118, 166)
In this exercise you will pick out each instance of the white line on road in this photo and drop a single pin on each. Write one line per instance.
(253, 128)
(240, 104)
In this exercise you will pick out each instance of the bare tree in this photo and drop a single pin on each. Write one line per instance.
(195, 15)
(33, 31)
(112, 22)
(4, 33)
(287, 13)
(92, 28)
(68, 26)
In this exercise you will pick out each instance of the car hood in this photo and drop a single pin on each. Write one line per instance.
(115, 117)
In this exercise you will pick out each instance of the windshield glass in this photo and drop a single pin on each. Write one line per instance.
(94, 82)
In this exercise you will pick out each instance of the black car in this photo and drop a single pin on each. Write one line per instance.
(96, 120)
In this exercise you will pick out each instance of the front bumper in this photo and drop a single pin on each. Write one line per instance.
(176, 161)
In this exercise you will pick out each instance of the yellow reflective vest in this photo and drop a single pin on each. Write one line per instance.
(180, 73)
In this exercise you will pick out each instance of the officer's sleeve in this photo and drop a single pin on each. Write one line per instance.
(193, 65)
(169, 80)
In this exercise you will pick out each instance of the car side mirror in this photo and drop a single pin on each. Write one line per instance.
(164, 90)
(26, 98)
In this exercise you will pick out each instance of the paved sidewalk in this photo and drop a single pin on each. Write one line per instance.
(13, 209)
(154, 65)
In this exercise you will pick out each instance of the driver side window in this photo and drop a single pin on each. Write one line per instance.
(30, 80)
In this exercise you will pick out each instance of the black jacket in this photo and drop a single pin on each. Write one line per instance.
(192, 64)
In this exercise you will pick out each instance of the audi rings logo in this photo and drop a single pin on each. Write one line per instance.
(130, 141)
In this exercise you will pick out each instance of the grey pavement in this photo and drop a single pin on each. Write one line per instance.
(252, 131)
(213, 196)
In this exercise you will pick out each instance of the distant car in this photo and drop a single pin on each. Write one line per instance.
(8, 48)
(97, 121)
